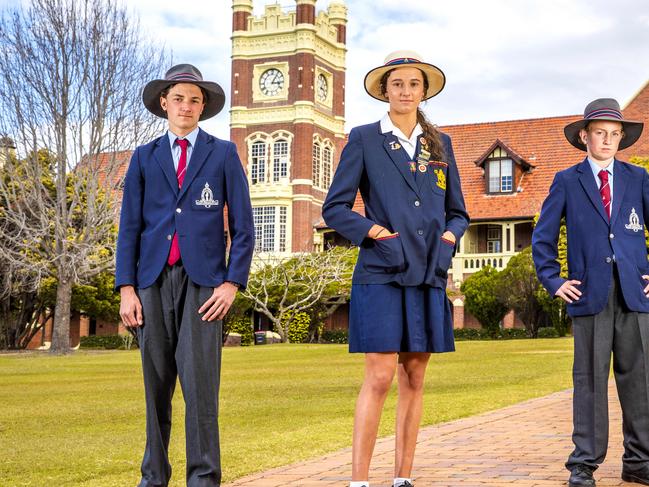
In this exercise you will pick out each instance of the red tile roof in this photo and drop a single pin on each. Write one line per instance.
(539, 142)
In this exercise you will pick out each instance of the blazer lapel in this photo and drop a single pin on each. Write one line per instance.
(198, 158)
(400, 159)
(162, 154)
(420, 177)
(620, 176)
(590, 187)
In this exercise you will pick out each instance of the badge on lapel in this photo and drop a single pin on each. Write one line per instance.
(207, 198)
(441, 178)
(395, 145)
(634, 222)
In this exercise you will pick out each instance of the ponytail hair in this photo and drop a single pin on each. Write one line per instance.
(431, 134)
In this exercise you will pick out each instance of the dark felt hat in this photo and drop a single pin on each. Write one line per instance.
(183, 73)
(606, 109)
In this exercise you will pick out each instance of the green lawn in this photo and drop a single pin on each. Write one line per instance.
(79, 420)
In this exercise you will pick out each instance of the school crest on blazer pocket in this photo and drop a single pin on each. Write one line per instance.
(634, 224)
(206, 194)
(438, 171)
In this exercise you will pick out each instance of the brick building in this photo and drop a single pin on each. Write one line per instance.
(287, 115)
(287, 119)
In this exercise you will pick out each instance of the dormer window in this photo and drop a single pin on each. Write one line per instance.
(500, 164)
(500, 169)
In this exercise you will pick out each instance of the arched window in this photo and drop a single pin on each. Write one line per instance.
(258, 162)
(316, 162)
(326, 166)
(280, 159)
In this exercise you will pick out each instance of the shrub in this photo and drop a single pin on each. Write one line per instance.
(468, 334)
(108, 342)
(548, 332)
(335, 336)
(298, 326)
(242, 326)
(483, 334)
(480, 298)
(513, 333)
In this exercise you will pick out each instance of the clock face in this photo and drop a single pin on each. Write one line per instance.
(322, 87)
(271, 82)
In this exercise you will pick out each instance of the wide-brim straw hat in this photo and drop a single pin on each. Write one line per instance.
(183, 73)
(606, 109)
(401, 59)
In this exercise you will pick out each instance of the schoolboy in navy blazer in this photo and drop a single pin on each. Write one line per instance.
(415, 208)
(605, 203)
(175, 282)
(595, 243)
(153, 208)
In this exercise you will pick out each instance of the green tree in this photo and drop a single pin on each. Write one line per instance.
(519, 289)
(480, 299)
(67, 72)
(280, 288)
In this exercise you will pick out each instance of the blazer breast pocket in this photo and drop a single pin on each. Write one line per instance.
(206, 194)
(438, 174)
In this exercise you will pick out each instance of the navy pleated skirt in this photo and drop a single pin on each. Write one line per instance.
(394, 318)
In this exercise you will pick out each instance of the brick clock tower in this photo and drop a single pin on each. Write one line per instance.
(287, 115)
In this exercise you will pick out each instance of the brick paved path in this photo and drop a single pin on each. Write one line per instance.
(522, 445)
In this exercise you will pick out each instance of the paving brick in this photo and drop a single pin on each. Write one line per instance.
(524, 445)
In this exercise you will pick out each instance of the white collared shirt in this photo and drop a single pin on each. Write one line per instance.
(409, 144)
(596, 169)
(175, 148)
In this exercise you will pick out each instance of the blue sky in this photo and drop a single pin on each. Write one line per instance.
(504, 59)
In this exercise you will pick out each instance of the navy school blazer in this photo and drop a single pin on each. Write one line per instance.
(594, 243)
(153, 208)
(419, 206)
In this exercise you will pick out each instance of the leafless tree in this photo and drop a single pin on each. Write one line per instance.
(281, 287)
(71, 74)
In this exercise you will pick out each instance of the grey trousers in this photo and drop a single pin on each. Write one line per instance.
(176, 343)
(626, 334)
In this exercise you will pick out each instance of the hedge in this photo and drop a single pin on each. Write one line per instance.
(108, 342)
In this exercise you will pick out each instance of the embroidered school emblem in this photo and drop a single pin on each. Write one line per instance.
(441, 179)
(207, 198)
(634, 222)
(395, 145)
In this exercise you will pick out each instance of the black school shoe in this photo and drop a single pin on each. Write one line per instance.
(406, 484)
(581, 475)
(639, 476)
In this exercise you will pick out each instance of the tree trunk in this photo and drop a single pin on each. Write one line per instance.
(61, 326)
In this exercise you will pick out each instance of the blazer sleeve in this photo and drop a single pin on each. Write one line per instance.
(130, 225)
(546, 235)
(457, 218)
(337, 208)
(645, 196)
(240, 222)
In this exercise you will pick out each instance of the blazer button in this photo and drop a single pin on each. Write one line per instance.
(178, 210)
(417, 203)
(420, 232)
(611, 236)
(168, 237)
(609, 260)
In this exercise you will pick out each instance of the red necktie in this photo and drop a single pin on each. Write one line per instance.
(605, 191)
(174, 253)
